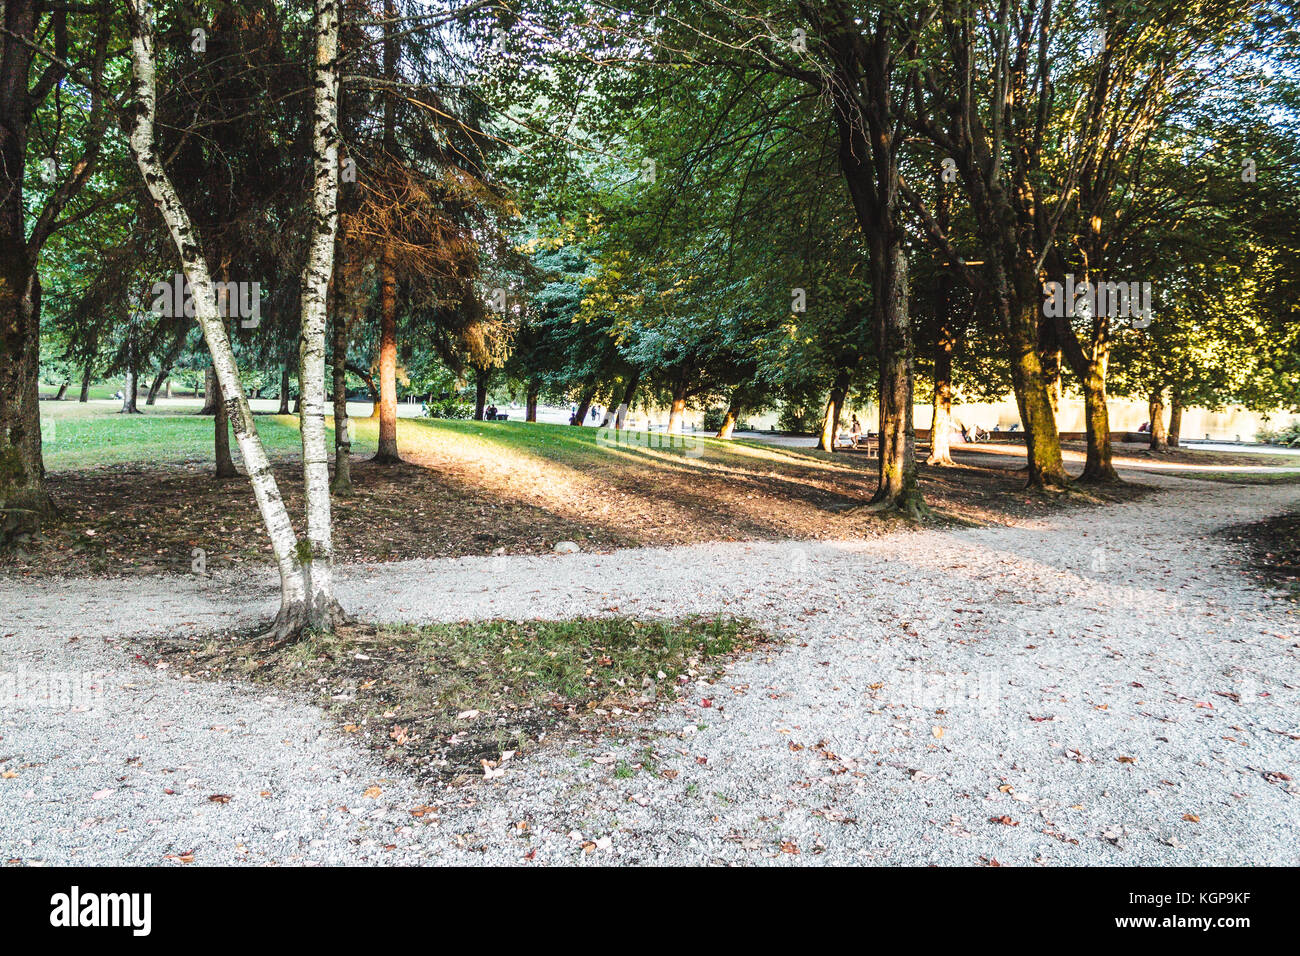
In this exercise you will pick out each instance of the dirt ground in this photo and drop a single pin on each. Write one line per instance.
(147, 519)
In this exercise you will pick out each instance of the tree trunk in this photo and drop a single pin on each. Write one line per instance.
(530, 404)
(729, 419)
(186, 240)
(129, 406)
(221, 435)
(342, 483)
(130, 384)
(941, 420)
(211, 394)
(1156, 407)
(579, 417)
(1175, 418)
(386, 409)
(834, 406)
(1042, 440)
(63, 390)
(1098, 467)
(898, 485)
(322, 610)
(174, 349)
(167, 387)
(24, 499)
(1049, 356)
(156, 387)
(387, 453)
(945, 342)
(284, 388)
(85, 382)
(678, 408)
(480, 392)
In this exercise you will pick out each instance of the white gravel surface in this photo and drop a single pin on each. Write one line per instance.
(1093, 680)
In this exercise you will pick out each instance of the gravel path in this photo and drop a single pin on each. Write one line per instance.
(1105, 687)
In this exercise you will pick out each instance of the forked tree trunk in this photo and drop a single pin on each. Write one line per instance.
(322, 609)
(85, 383)
(1175, 418)
(1097, 423)
(1156, 407)
(1042, 440)
(143, 148)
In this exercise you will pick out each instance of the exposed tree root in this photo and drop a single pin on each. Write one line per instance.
(296, 620)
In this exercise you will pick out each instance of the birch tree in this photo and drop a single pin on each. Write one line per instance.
(305, 579)
(322, 609)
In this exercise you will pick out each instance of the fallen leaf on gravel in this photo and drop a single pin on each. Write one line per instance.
(467, 715)
(372, 792)
(1126, 759)
(788, 847)
(220, 798)
(187, 857)
(937, 731)
(97, 795)
(351, 728)
(1275, 776)
(669, 775)
(8, 775)
(1005, 820)
(1191, 818)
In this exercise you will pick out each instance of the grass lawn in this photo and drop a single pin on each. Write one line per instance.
(97, 392)
(94, 438)
(441, 700)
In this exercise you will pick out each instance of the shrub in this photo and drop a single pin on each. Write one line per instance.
(800, 419)
(1282, 435)
(450, 407)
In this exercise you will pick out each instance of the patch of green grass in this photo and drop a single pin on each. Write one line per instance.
(77, 442)
(442, 698)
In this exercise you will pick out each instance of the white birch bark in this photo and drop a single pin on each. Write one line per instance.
(315, 291)
(144, 148)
